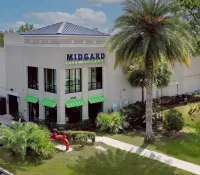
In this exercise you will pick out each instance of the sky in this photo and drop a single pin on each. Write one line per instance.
(89, 13)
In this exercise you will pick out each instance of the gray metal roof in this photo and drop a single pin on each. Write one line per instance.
(64, 28)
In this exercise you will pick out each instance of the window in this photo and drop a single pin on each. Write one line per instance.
(95, 78)
(73, 81)
(33, 78)
(50, 80)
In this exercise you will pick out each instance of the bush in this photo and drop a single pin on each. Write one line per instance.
(71, 135)
(112, 123)
(24, 138)
(173, 121)
(81, 139)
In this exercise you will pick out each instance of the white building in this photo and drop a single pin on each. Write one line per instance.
(64, 73)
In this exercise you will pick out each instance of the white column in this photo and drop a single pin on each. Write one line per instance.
(41, 92)
(61, 96)
(85, 115)
(104, 74)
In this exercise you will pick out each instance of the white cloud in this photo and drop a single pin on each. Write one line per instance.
(81, 16)
(99, 3)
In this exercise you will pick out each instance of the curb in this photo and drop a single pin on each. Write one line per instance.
(5, 172)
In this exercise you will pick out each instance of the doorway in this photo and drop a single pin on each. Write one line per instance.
(74, 114)
(13, 105)
(94, 110)
(51, 114)
(33, 111)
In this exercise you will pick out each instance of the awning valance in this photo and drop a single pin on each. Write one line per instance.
(31, 98)
(74, 103)
(96, 99)
(49, 102)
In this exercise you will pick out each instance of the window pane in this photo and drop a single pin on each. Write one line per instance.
(72, 80)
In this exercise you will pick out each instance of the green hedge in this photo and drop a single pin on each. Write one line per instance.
(71, 135)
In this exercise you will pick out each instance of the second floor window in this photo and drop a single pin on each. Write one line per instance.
(95, 78)
(50, 80)
(33, 78)
(73, 81)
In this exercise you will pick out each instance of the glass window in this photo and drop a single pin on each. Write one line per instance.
(50, 80)
(73, 81)
(95, 78)
(33, 78)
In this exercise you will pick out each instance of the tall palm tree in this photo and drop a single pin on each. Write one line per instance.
(150, 31)
(137, 77)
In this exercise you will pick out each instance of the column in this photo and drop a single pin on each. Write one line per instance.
(60, 75)
(41, 92)
(104, 74)
(85, 115)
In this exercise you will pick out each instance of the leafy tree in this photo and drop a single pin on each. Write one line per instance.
(150, 31)
(137, 77)
(1, 39)
(25, 28)
(21, 138)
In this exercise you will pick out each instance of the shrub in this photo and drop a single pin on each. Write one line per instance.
(81, 139)
(71, 135)
(173, 121)
(112, 123)
(24, 138)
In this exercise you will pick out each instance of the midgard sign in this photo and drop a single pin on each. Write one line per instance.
(85, 58)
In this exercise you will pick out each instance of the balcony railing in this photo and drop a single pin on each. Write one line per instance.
(33, 85)
(94, 86)
(51, 88)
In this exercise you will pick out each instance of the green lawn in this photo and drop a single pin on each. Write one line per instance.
(185, 147)
(89, 161)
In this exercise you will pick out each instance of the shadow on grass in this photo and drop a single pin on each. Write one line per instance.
(15, 163)
(117, 162)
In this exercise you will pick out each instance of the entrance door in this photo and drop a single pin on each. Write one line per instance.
(74, 114)
(51, 114)
(94, 109)
(13, 105)
(33, 111)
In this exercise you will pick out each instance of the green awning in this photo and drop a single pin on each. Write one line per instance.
(31, 98)
(49, 102)
(74, 103)
(96, 99)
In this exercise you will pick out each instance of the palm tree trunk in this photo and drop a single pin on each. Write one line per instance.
(142, 94)
(149, 100)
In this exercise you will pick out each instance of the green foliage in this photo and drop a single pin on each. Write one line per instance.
(23, 138)
(173, 121)
(1, 39)
(81, 139)
(71, 135)
(113, 123)
(25, 28)
(193, 108)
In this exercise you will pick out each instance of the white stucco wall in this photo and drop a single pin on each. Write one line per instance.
(2, 72)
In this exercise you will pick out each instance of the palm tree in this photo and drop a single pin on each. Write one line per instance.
(137, 77)
(150, 31)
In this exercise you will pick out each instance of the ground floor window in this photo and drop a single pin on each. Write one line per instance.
(74, 115)
(51, 114)
(94, 109)
(33, 111)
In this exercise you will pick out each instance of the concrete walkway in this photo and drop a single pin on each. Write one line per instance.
(151, 154)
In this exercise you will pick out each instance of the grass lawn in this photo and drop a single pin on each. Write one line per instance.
(185, 147)
(89, 161)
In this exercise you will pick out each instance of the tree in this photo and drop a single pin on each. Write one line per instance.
(150, 31)
(1, 39)
(137, 77)
(25, 28)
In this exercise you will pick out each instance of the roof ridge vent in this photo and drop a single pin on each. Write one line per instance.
(61, 28)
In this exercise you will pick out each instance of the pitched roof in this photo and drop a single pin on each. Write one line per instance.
(64, 28)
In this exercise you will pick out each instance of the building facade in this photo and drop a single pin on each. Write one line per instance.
(63, 73)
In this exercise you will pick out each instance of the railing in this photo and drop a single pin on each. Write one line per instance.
(51, 88)
(94, 86)
(33, 85)
(72, 88)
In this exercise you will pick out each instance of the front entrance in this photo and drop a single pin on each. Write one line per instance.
(94, 109)
(13, 105)
(51, 114)
(33, 111)
(74, 114)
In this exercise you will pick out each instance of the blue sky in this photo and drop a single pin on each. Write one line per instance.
(91, 13)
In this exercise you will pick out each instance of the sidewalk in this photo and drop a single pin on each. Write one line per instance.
(151, 154)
